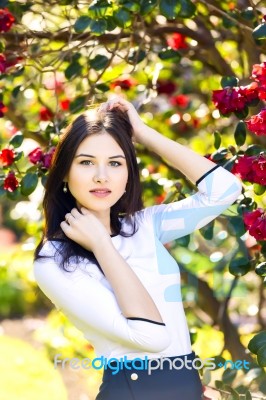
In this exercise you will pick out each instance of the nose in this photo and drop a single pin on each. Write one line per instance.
(100, 175)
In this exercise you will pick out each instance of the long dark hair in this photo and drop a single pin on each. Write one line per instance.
(56, 203)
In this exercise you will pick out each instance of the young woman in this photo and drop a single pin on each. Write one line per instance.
(102, 260)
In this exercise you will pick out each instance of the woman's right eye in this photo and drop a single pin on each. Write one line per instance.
(85, 162)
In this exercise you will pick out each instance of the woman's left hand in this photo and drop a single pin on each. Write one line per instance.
(126, 106)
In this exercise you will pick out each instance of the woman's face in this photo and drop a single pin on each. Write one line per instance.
(98, 174)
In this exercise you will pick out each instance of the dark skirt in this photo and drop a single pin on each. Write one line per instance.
(163, 383)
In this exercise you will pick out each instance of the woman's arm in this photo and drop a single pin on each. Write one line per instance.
(92, 307)
(191, 164)
(134, 300)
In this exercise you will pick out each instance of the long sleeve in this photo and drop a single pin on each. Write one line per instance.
(92, 307)
(218, 189)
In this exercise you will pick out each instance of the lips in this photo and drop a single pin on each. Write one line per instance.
(100, 191)
(103, 192)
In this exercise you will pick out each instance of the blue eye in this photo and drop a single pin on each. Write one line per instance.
(85, 162)
(116, 163)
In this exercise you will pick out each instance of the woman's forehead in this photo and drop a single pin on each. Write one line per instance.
(99, 143)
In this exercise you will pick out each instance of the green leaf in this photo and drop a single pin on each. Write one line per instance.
(233, 393)
(136, 56)
(229, 375)
(19, 155)
(123, 18)
(29, 183)
(188, 9)
(239, 266)
(14, 196)
(207, 231)
(16, 140)
(248, 14)
(99, 62)
(259, 33)
(147, 6)
(99, 8)
(261, 356)
(254, 149)
(217, 139)
(228, 23)
(183, 241)
(78, 104)
(16, 91)
(261, 269)
(74, 69)
(110, 23)
(218, 384)
(3, 3)
(219, 362)
(44, 180)
(229, 81)
(102, 87)
(82, 23)
(242, 114)
(130, 5)
(258, 189)
(170, 54)
(193, 335)
(220, 154)
(98, 27)
(257, 342)
(240, 133)
(170, 8)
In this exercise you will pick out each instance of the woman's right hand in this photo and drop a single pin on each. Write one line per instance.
(126, 106)
(85, 229)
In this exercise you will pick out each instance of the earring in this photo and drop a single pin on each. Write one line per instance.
(65, 187)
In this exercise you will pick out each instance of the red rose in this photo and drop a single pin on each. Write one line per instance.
(125, 84)
(35, 155)
(6, 20)
(249, 92)
(229, 100)
(7, 157)
(243, 168)
(47, 158)
(64, 104)
(255, 222)
(251, 169)
(45, 114)
(10, 182)
(180, 100)
(177, 41)
(259, 73)
(257, 123)
(3, 109)
(2, 63)
(166, 87)
(44, 159)
(262, 92)
(251, 217)
(259, 168)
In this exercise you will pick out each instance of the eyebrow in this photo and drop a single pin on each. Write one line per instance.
(89, 155)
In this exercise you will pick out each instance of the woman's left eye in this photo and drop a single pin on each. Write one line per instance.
(115, 163)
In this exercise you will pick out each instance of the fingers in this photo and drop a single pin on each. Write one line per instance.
(84, 211)
(72, 216)
(116, 102)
